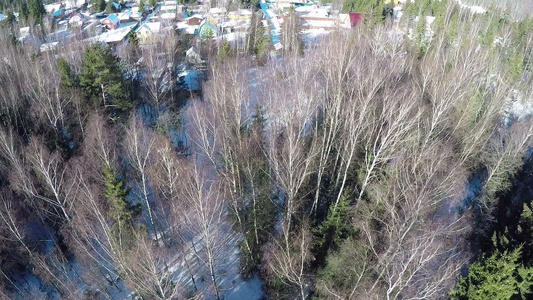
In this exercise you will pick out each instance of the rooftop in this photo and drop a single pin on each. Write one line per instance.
(113, 18)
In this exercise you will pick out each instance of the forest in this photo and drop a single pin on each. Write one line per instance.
(371, 165)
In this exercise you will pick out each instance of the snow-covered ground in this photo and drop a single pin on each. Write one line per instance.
(313, 36)
(192, 78)
(475, 9)
(116, 35)
(191, 262)
(517, 107)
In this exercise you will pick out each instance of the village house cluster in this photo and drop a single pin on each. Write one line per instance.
(202, 18)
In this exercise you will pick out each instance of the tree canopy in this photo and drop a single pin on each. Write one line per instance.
(102, 78)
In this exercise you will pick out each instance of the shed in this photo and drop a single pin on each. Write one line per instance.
(193, 55)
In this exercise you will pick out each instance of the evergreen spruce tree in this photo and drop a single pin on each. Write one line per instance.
(515, 64)
(9, 20)
(497, 277)
(377, 10)
(343, 267)
(116, 194)
(120, 210)
(142, 4)
(133, 39)
(102, 78)
(24, 12)
(98, 5)
(292, 37)
(68, 78)
(349, 6)
(525, 233)
(109, 8)
(420, 38)
(335, 228)
(258, 40)
(36, 10)
(224, 51)
(152, 3)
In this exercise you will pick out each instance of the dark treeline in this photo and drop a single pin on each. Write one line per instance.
(366, 167)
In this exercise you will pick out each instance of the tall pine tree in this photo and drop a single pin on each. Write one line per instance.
(120, 211)
(102, 78)
(36, 10)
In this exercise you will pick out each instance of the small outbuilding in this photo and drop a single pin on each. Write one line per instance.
(192, 56)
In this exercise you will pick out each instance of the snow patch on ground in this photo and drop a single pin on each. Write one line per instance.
(475, 9)
(517, 107)
(249, 290)
(193, 79)
(314, 36)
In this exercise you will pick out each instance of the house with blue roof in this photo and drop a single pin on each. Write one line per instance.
(112, 22)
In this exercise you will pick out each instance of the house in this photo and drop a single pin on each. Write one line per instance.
(194, 20)
(48, 47)
(125, 16)
(117, 6)
(60, 13)
(75, 3)
(77, 20)
(192, 55)
(355, 18)
(241, 14)
(146, 30)
(50, 8)
(129, 15)
(188, 29)
(170, 11)
(112, 22)
(113, 38)
(217, 11)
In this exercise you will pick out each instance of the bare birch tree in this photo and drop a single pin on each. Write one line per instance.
(140, 147)
(204, 219)
(52, 174)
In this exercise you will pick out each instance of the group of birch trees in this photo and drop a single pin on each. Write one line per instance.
(371, 151)
(351, 170)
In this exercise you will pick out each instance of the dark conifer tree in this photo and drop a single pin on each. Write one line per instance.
(36, 10)
(102, 78)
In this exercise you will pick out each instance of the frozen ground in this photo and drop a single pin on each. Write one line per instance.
(314, 36)
(517, 107)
